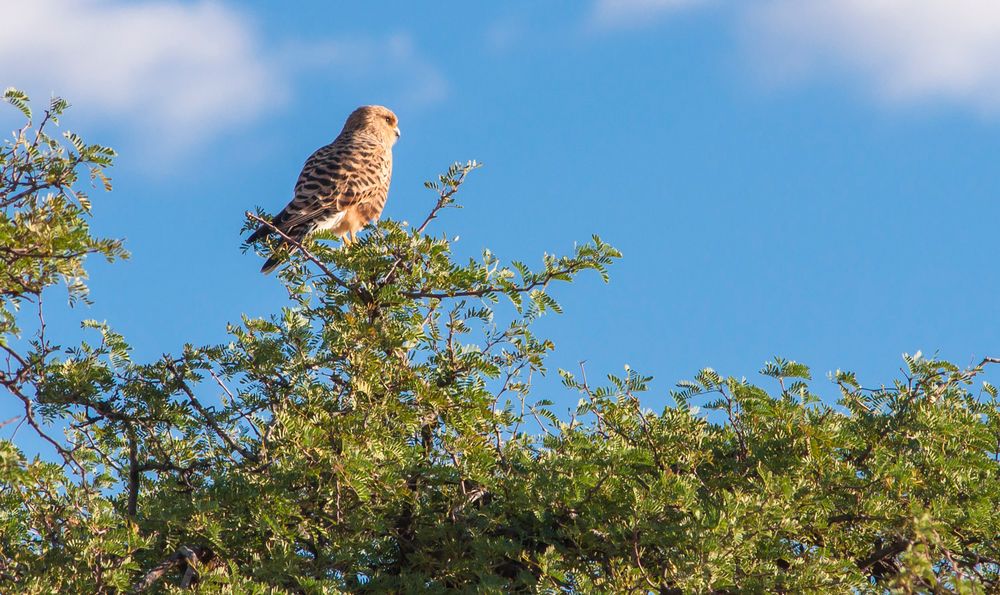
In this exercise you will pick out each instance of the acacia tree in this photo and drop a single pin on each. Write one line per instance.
(380, 433)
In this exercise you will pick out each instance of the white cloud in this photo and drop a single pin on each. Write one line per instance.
(625, 13)
(393, 65)
(426, 83)
(504, 35)
(183, 70)
(903, 50)
(899, 51)
(186, 70)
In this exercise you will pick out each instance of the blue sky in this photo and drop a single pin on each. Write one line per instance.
(805, 178)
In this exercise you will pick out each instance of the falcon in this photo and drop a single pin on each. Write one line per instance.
(343, 186)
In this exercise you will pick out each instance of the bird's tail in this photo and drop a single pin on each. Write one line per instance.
(271, 264)
(280, 253)
(262, 232)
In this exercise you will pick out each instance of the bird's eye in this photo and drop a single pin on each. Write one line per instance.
(388, 119)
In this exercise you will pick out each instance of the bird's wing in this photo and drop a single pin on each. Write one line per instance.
(334, 178)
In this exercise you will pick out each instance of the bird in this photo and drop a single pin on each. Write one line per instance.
(343, 185)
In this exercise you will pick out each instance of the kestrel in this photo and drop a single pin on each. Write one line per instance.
(343, 186)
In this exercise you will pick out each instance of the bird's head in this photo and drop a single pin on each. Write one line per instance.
(374, 119)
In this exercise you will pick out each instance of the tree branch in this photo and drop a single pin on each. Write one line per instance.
(183, 555)
(893, 549)
(133, 473)
(444, 199)
(480, 292)
(209, 418)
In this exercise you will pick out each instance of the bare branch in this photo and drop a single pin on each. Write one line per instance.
(183, 555)
(482, 291)
(209, 418)
(444, 199)
(133, 473)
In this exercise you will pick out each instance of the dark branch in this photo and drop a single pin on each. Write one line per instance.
(183, 555)
(133, 473)
(893, 549)
(482, 291)
(209, 418)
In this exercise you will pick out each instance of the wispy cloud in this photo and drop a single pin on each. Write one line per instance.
(504, 35)
(900, 50)
(184, 71)
(617, 14)
(394, 61)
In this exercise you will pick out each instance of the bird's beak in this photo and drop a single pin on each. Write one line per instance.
(398, 133)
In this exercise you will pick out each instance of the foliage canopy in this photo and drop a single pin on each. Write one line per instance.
(379, 433)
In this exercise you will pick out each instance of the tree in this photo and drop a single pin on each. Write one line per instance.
(379, 433)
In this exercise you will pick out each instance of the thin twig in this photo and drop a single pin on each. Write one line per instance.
(184, 554)
(444, 199)
(480, 292)
(209, 418)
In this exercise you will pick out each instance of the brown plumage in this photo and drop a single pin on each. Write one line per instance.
(343, 186)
